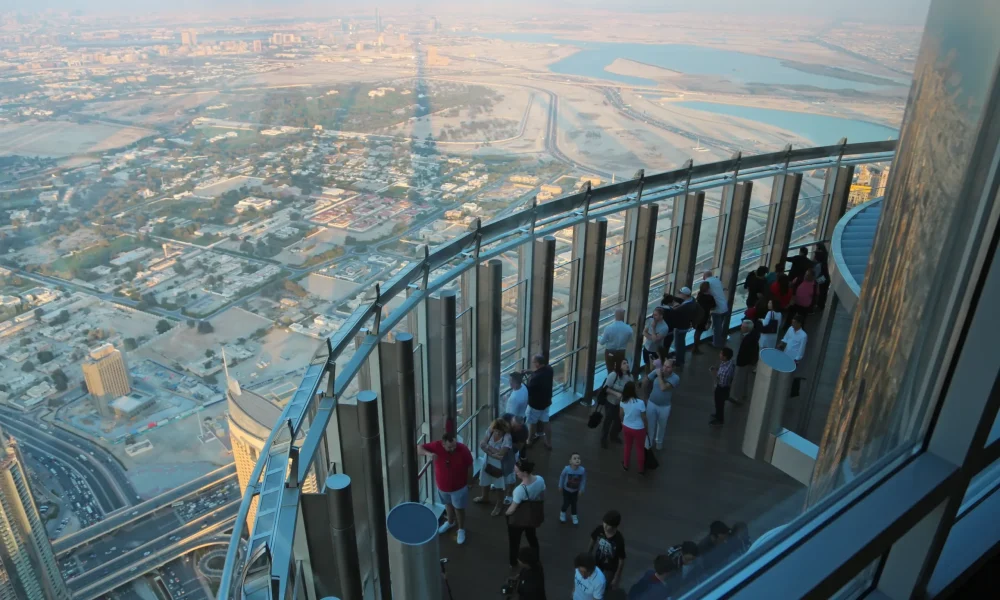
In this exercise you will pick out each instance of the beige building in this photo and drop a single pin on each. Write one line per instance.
(107, 377)
(251, 419)
(28, 567)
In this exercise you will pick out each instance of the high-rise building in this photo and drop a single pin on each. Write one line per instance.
(251, 419)
(378, 22)
(189, 38)
(433, 25)
(258, 46)
(106, 376)
(276, 39)
(28, 567)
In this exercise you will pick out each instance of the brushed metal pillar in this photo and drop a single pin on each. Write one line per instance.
(641, 269)
(592, 268)
(415, 551)
(371, 448)
(489, 311)
(442, 367)
(780, 218)
(767, 403)
(834, 201)
(331, 538)
(408, 422)
(540, 304)
(687, 235)
(732, 249)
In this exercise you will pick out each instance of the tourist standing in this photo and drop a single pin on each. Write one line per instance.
(614, 385)
(662, 384)
(794, 342)
(800, 264)
(655, 337)
(531, 488)
(517, 400)
(496, 445)
(608, 547)
(539, 400)
(706, 302)
(755, 285)
(682, 318)
(452, 474)
(746, 359)
(805, 295)
(720, 316)
(616, 339)
(723, 373)
(530, 579)
(769, 325)
(633, 415)
(589, 582)
(572, 482)
(659, 583)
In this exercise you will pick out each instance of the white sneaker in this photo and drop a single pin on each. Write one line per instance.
(508, 500)
(575, 520)
(461, 536)
(444, 528)
(562, 517)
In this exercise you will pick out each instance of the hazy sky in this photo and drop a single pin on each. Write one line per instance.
(892, 11)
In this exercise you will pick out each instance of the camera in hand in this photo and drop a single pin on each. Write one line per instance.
(509, 588)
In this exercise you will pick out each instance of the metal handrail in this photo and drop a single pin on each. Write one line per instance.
(598, 202)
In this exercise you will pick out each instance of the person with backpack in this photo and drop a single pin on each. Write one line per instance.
(681, 319)
(526, 512)
(706, 304)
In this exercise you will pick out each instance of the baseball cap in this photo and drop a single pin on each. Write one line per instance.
(685, 291)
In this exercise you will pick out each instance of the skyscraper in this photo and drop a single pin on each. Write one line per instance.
(189, 38)
(258, 46)
(378, 22)
(28, 567)
(251, 419)
(106, 376)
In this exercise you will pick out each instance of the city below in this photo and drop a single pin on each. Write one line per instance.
(189, 203)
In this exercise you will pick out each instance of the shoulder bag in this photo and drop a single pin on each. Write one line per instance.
(491, 470)
(772, 326)
(529, 513)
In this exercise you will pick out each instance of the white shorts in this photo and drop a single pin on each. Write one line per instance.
(538, 416)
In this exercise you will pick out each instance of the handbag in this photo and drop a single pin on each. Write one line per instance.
(772, 326)
(651, 462)
(493, 470)
(529, 513)
(595, 415)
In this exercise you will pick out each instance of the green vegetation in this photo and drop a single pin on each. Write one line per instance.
(322, 257)
(205, 327)
(163, 326)
(97, 255)
(60, 380)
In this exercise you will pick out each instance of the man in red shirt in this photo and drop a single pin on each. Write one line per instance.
(452, 473)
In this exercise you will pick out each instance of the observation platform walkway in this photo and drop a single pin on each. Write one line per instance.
(703, 476)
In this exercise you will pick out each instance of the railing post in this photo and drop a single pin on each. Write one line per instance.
(489, 311)
(739, 211)
(592, 275)
(686, 237)
(781, 218)
(407, 394)
(540, 306)
(332, 542)
(371, 447)
(441, 312)
(638, 302)
(838, 182)
(725, 214)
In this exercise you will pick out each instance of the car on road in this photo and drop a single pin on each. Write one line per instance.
(146, 553)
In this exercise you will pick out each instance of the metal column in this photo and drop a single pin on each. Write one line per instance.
(441, 367)
(838, 182)
(781, 218)
(371, 448)
(489, 310)
(540, 304)
(399, 409)
(592, 272)
(685, 238)
(770, 393)
(331, 537)
(638, 285)
(739, 211)
(416, 553)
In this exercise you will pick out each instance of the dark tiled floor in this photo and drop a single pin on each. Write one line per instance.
(703, 476)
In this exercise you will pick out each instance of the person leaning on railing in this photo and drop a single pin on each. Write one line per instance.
(616, 338)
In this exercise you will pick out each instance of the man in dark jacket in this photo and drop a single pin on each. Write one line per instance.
(539, 400)
(659, 583)
(755, 285)
(800, 264)
(746, 360)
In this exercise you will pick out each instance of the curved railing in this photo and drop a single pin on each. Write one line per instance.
(268, 546)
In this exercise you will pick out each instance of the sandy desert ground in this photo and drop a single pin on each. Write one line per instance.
(57, 139)
(151, 110)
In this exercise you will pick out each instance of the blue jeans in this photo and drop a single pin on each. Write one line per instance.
(720, 328)
(680, 346)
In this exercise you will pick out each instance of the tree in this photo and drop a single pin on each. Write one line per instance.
(60, 380)
(210, 379)
(191, 323)
(163, 326)
(207, 364)
(45, 356)
(130, 344)
(246, 247)
(180, 269)
(209, 353)
(205, 327)
(28, 366)
(38, 313)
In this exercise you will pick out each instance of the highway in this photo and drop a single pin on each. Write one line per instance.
(102, 473)
(134, 563)
(121, 519)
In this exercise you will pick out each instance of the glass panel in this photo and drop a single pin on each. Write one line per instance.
(870, 182)
(615, 266)
(808, 209)
(661, 246)
(562, 294)
(511, 320)
(706, 243)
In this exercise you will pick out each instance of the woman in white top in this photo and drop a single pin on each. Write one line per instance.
(633, 415)
(496, 445)
(769, 327)
(613, 387)
(529, 487)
